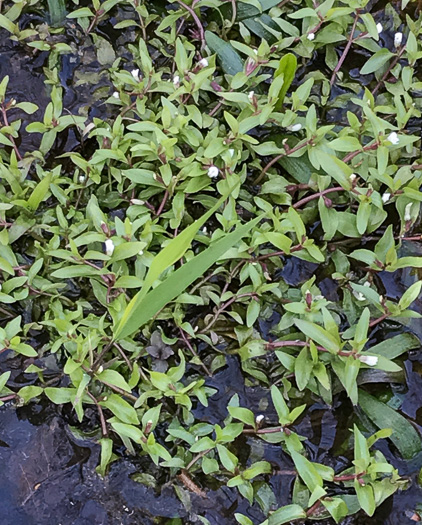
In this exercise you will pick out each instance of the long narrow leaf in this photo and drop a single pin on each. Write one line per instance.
(168, 256)
(144, 308)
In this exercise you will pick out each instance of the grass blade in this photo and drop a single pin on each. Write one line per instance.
(144, 307)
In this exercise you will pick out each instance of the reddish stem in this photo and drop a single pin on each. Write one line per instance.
(346, 49)
(317, 195)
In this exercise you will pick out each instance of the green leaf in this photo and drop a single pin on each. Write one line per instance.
(280, 406)
(80, 13)
(27, 393)
(306, 471)
(361, 449)
(319, 335)
(336, 507)
(228, 459)
(242, 414)
(39, 192)
(287, 67)
(113, 377)
(404, 435)
(376, 61)
(395, 346)
(143, 307)
(231, 63)
(60, 396)
(80, 270)
(410, 295)
(106, 454)
(121, 409)
(365, 494)
(286, 514)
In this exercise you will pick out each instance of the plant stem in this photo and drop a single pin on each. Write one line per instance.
(390, 67)
(191, 11)
(346, 49)
(193, 351)
(104, 430)
(12, 140)
(276, 159)
(280, 344)
(317, 195)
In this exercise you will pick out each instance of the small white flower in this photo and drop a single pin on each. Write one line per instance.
(308, 291)
(255, 51)
(353, 177)
(259, 419)
(176, 80)
(116, 95)
(367, 283)
(370, 360)
(398, 37)
(381, 299)
(213, 172)
(137, 202)
(386, 197)
(109, 247)
(251, 95)
(82, 179)
(393, 138)
(294, 127)
(359, 296)
(135, 74)
(100, 369)
(203, 62)
(407, 215)
(311, 36)
(231, 152)
(379, 28)
(141, 252)
(204, 230)
(0, 287)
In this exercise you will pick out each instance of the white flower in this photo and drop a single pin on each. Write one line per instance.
(231, 152)
(204, 230)
(135, 74)
(352, 177)
(12, 102)
(0, 287)
(386, 197)
(141, 252)
(370, 360)
(137, 201)
(379, 28)
(407, 215)
(393, 138)
(294, 127)
(176, 80)
(116, 95)
(109, 247)
(311, 36)
(203, 62)
(255, 51)
(82, 179)
(213, 172)
(398, 37)
(367, 283)
(259, 419)
(251, 95)
(100, 369)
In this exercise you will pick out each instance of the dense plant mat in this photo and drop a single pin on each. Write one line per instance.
(208, 186)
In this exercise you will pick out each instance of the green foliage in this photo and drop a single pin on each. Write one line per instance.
(219, 157)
